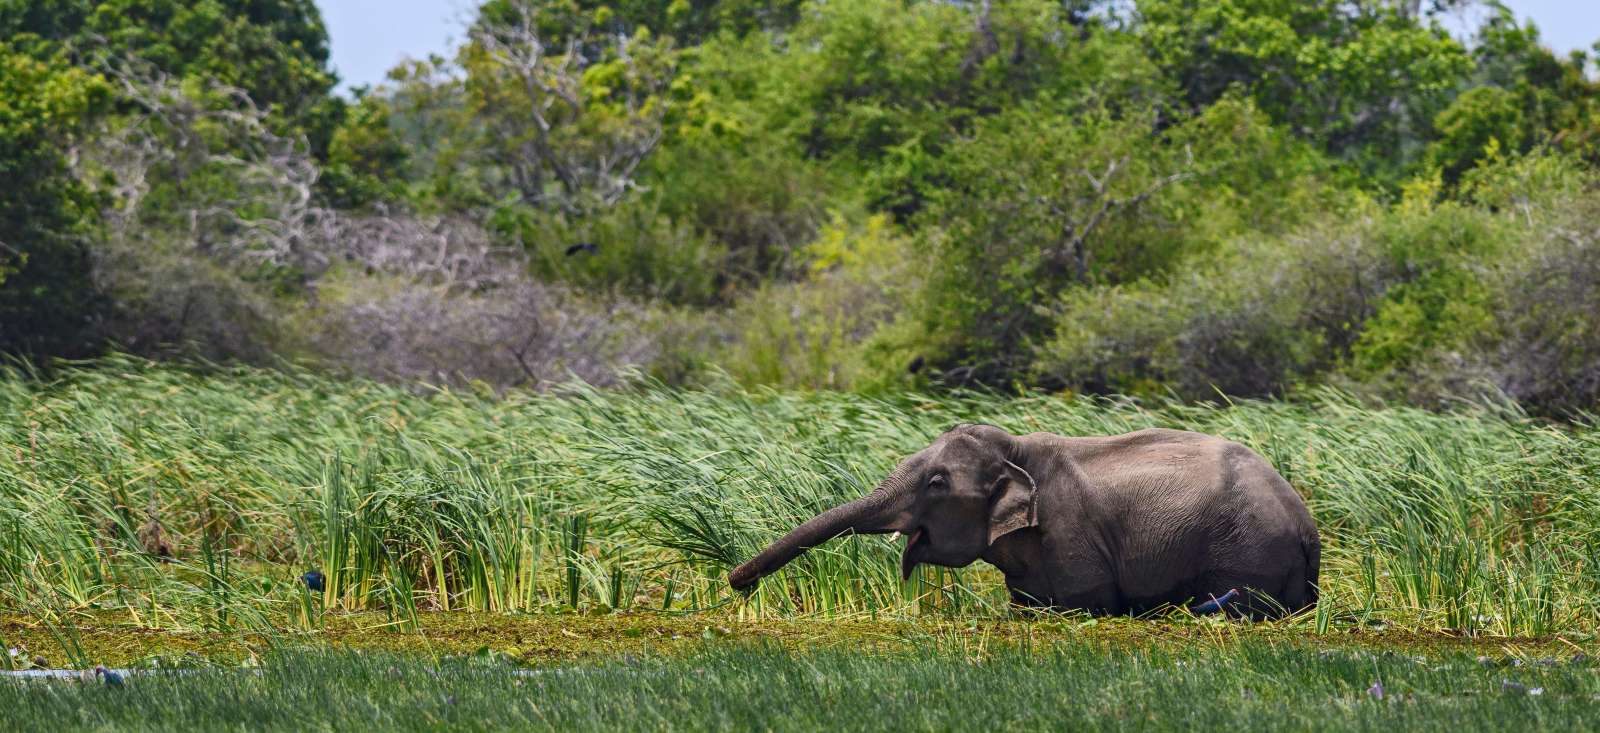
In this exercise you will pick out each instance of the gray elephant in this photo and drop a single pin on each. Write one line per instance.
(1108, 525)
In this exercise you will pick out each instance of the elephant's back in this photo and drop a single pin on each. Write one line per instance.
(1155, 463)
(1198, 507)
(1197, 482)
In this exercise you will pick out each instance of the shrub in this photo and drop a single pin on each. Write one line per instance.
(633, 248)
(1428, 301)
(815, 333)
(435, 301)
(1548, 355)
(1053, 200)
(1254, 320)
(1477, 125)
(756, 203)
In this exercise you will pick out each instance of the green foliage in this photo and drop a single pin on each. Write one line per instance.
(884, 88)
(1558, 100)
(1049, 201)
(1475, 127)
(1437, 300)
(756, 198)
(1158, 196)
(47, 296)
(688, 21)
(633, 247)
(558, 129)
(367, 160)
(1037, 192)
(275, 50)
(816, 334)
(1424, 301)
(1256, 318)
(1325, 69)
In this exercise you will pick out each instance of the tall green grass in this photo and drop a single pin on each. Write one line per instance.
(1479, 521)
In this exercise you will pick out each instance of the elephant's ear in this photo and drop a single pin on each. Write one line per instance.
(1014, 504)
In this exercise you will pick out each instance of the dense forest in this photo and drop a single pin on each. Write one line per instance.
(1186, 197)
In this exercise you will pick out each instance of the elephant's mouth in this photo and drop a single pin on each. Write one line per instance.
(910, 557)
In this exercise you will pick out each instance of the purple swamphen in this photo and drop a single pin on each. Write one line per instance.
(112, 679)
(313, 580)
(1215, 604)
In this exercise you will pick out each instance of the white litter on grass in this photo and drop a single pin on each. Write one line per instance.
(80, 674)
(88, 675)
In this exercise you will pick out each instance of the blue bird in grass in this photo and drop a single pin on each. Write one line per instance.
(112, 679)
(1215, 604)
(313, 580)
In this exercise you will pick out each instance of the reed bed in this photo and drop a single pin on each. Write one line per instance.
(196, 500)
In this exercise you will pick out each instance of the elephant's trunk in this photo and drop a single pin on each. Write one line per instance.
(871, 514)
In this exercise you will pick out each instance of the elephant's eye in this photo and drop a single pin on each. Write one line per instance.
(936, 480)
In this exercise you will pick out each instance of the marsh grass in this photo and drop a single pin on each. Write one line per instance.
(1481, 521)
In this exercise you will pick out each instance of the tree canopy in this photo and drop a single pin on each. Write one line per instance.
(1249, 197)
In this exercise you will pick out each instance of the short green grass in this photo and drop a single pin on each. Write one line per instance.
(1249, 686)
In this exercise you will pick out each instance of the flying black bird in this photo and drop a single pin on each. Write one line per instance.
(1215, 604)
(313, 580)
(589, 247)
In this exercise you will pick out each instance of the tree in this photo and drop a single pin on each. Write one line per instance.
(1481, 124)
(1556, 101)
(275, 50)
(687, 21)
(1045, 202)
(1328, 69)
(566, 130)
(46, 294)
(367, 160)
(1037, 193)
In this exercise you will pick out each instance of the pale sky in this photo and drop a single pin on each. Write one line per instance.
(371, 36)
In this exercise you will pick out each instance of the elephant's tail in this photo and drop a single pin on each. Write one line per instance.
(1311, 546)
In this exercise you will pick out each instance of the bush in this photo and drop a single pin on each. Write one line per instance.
(633, 248)
(754, 201)
(1427, 301)
(816, 333)
(1255, 320)
(1054, 200)
(1548, 351)
(1480, 123)
(435, 301)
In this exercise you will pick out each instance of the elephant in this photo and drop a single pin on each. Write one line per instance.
(1122, 524)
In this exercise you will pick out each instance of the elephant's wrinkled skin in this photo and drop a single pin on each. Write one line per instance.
(1119, 524)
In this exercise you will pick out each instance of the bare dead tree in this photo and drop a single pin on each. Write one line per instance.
(456, 308)
(245, 192)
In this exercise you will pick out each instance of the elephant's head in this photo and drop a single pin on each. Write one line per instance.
(951, 500)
